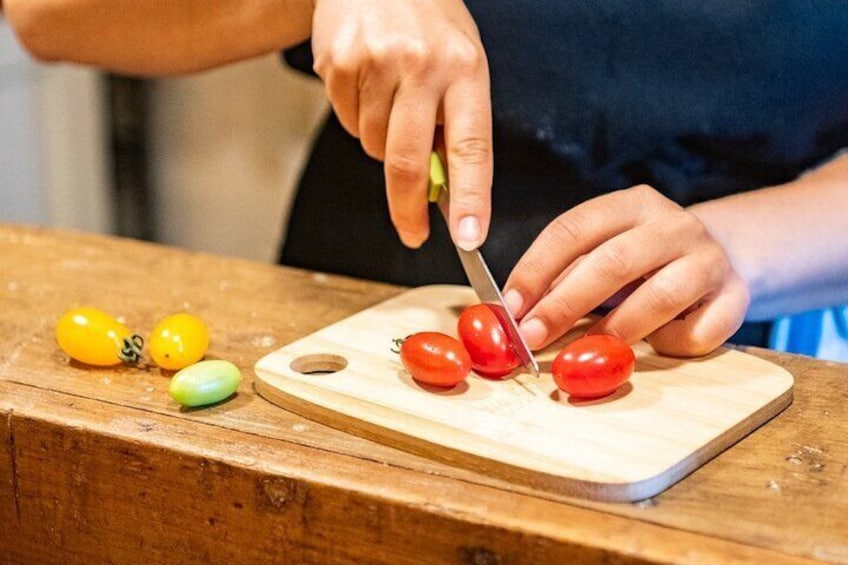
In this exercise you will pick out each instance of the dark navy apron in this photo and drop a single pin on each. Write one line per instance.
(698, 99)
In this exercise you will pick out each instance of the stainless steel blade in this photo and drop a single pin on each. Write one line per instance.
(481, 280)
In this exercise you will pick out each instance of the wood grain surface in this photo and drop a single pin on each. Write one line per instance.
(101, 466)
(671, 417)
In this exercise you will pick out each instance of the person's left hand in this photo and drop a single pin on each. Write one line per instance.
(679, 290)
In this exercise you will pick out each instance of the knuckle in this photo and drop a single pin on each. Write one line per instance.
(613, 263)
(338, 67)
(471, 151)
(464, 55)
(568, 228)
(416, 56)
(379, 52)
(647, 197)
(666, 294)
(399, 53)
(560, 310)
(713, 266)
(404, 169)
(690, 223)
(644, 191)
(720, 264)
(345, 70)
(341, 60)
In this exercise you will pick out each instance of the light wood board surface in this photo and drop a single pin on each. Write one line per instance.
(671, 416)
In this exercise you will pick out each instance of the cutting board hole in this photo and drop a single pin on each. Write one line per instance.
(319, 364)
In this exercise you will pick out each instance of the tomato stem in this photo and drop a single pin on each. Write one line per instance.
(131, 351)
(398, 341)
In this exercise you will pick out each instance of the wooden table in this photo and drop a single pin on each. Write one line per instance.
(101, 466)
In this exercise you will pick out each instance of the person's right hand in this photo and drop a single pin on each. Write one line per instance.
(393, 70)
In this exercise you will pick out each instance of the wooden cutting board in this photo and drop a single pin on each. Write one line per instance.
(673, 415)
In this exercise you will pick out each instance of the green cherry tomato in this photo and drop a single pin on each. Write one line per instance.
(204, 383)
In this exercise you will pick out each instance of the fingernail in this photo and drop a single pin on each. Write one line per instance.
(514, 302)
(468, 233)
(534, 332)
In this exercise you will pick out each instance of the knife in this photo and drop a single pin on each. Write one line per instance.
(478, 272)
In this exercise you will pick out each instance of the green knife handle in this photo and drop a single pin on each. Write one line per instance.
(438, 179)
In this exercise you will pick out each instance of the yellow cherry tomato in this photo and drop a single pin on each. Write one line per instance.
(94, 337)
(178, 341)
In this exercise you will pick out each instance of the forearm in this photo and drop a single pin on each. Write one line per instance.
(148, 37)
(789, 243)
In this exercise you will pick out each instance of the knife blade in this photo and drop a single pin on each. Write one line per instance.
(478, 273)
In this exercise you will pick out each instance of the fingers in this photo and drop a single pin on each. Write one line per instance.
(468, 144)
(343, 94)
(663, 297)
(376, 98)
(655, 259)
(707, 327)
(572, 235)
(409, 142)
(337, 63)
(603, 272)
(466, 109)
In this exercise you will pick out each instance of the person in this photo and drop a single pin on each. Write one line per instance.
(675, 165)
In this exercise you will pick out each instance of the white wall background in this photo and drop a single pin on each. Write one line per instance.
(53, 168)
(227, 149)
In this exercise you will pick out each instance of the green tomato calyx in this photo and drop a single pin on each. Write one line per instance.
(131, 349)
